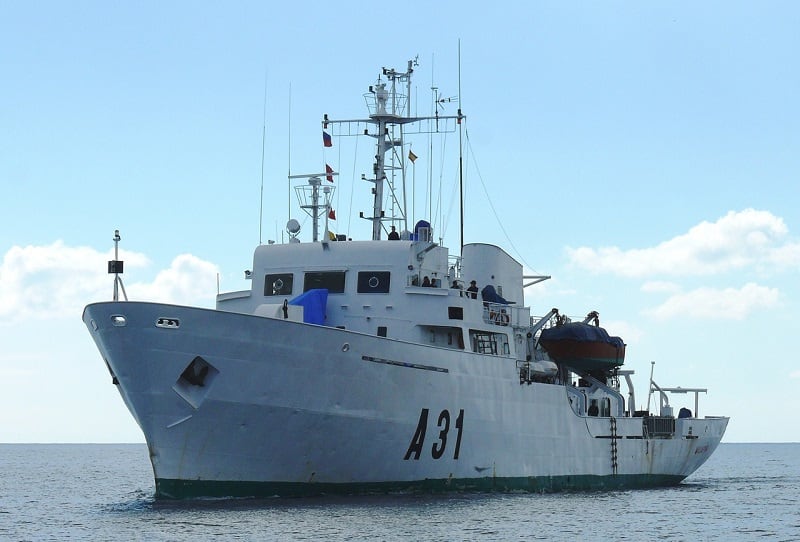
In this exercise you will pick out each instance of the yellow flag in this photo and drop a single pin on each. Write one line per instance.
(412, 156)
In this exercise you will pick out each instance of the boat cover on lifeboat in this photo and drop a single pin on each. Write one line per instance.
(583, 346)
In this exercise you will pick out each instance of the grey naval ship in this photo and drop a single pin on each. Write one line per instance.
(387, 364)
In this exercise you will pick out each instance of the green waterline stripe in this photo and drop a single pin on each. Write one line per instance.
(192, 489)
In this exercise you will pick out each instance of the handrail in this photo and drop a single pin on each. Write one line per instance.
(581, 396)
(664, 398)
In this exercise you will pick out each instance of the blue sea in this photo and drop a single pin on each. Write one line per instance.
(105, 492)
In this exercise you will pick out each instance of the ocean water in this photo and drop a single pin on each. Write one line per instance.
(105, 492)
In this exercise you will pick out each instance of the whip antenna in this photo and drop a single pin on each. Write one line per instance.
(460, 152)
(263, 146)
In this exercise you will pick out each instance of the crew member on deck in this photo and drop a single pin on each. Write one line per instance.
(473, 289)
(426, 282)
(393, 235)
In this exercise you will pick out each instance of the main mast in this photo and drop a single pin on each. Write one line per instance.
(389, 108)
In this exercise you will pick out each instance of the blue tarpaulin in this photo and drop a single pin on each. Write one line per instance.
(314, 303)
(490, 294)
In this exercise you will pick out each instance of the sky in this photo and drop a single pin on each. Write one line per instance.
(645, 155)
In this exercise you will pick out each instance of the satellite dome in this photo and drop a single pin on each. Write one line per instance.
(293, 226)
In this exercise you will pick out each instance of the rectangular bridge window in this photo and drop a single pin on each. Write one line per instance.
(278, 284)
(487, 342)
(373, 282)
(333, 281)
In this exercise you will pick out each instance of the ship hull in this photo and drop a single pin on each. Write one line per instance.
(287, 408)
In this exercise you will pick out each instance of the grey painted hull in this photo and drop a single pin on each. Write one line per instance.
(291, 409)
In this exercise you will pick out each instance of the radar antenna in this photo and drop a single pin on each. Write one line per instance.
(390, 110)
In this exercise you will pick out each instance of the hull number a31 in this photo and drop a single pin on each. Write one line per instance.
(443, 425)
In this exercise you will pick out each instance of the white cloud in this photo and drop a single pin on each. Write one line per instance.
(627, 331)
(786, 256)
(187, 281)
(737, 240)
(58, 280)
(728, 303)
(795, 374)
(552, 287)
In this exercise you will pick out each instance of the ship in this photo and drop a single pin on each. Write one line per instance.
(386, 364)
